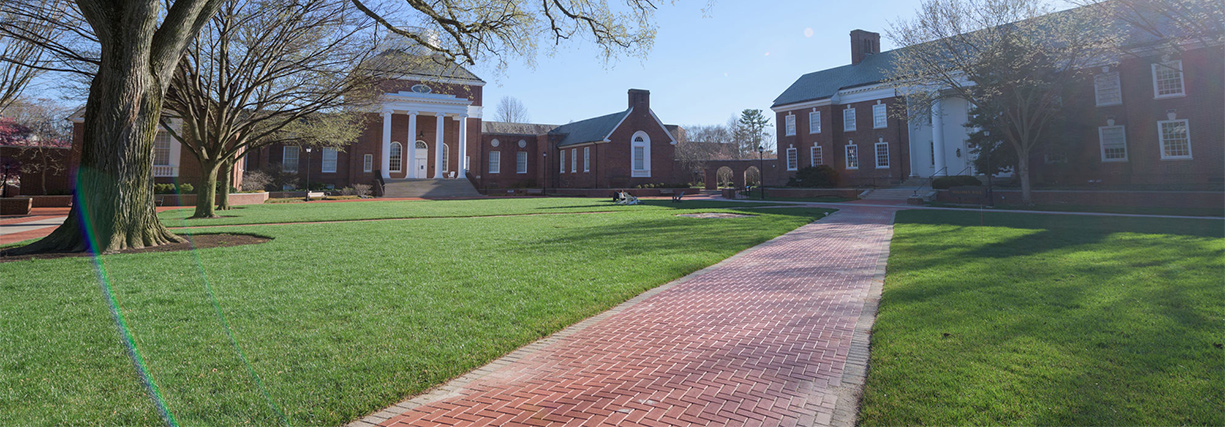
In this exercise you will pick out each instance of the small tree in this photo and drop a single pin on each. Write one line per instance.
(752, 131)
(511, 110)
(1012, 59)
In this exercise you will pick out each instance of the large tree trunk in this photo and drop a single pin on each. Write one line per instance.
(1027, 196)
(113, 206)
(224, 181)
(206, 194)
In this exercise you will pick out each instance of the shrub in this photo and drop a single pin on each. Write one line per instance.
(163, 188)
(814, 176)
(361, 190)
(945, 182)
(186, 188)
(255, 180)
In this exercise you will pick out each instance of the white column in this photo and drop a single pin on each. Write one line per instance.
(386, 161)
(938, 137)
(463, 146)
(412, 145)
(442, 123)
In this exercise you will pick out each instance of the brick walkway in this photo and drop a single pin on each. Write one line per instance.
(774, 336)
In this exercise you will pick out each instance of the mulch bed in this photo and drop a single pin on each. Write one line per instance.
(198, 241)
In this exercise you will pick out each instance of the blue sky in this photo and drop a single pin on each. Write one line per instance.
(704, 67)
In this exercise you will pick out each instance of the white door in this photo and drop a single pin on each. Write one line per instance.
(421, 160)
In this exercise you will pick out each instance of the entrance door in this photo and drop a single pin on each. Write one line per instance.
(421, 161)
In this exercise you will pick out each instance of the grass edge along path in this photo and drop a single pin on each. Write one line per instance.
(1049, 320)
(335, 326)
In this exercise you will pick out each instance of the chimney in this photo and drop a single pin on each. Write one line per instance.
(640, 99)
(863, 43)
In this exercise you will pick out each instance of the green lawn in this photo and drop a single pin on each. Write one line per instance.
(339, 319)
(1139, 210)
(341, 211)
(756, 195)
(1049, 320)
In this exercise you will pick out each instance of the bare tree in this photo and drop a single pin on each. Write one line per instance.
(44, 138)
(139, 44)
(511, 110)
(271, 71)
(1012, 59)
(22, 59)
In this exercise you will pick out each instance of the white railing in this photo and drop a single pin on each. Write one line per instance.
(165, 171)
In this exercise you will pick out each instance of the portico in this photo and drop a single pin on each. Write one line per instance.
(445, 154)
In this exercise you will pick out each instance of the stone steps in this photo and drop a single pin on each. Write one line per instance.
(429, 188)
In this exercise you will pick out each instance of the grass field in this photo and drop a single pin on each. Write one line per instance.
(1013, 319)
(1139, 210)
(339, 319)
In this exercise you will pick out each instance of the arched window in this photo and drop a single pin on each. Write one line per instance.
(640, 155)
(397, 162)
(446, 158)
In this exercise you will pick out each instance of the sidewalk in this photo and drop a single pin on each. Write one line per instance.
(776, 335)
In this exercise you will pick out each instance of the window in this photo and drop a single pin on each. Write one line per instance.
(495, 162)
(521, 162)
(882, 155)
(562, 160)
(1107, 89)
(446, 157)
(573, 160)
(1175, 139)
(815, 156)
(879, 119)
(852, 157)
(814, 122)
(289, 159)
(848, 119)
(793, 159)
(790, 124)
(397, 161)
(640, 155)
(1113, 140)
(368, 163)
(161, 149)
(329, 160)
(1167, 79)
(586, 159)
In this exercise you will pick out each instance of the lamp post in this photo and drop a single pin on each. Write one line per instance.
(761, 171)
(990, 171)
(308, 173)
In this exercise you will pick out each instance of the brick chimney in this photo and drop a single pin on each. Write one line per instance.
(640, 99)
(863, 43)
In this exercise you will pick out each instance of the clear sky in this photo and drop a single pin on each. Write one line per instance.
(704, 67)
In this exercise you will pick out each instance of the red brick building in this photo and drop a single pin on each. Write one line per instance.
(1146, 119)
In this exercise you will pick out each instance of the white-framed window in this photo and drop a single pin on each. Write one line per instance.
(573, 160)
(882, 155)
(848, 119)
(561, 159)
(1107, 89)
(521, 162)
(1175, 139)
(446, 158)
(329, 160)
(1113, 140)
(814, 122)
(161, 149)
(793, 159)
(852, 156)
(586, 159)
(397, 158)
(640, 155)
(815, 156)
(495, 162)
(879, 119)
(289, 159)
(1167, 79)
(368, 163)
(790, 124)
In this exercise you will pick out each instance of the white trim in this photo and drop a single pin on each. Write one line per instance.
(495, 165)
(789, 124)
(608, 138)
(876, 155)
(671, 139)
(1101, 143)
(297, 158)
(1097, 90)
(561, 160)
(367, 163)
(1161, 140)
(802, 105)
(846, 152)
(435, 79)
(645, 172)
(810, 116)
(586, 159)
(390, 156)
(476, 111)
(815, 152)
(521, 156)
(323, 159)
(1182, 81)
(866, 93)
(854, 120)
(793, 159)
(884, 116)
(574, 160)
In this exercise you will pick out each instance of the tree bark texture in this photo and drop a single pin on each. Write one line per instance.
(206, 194)
(224, 182)
(1027, 196)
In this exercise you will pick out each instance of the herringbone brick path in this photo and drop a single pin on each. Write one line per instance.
(764, 338)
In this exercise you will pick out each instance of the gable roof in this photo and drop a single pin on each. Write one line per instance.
(590, 130)
(825, 83)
